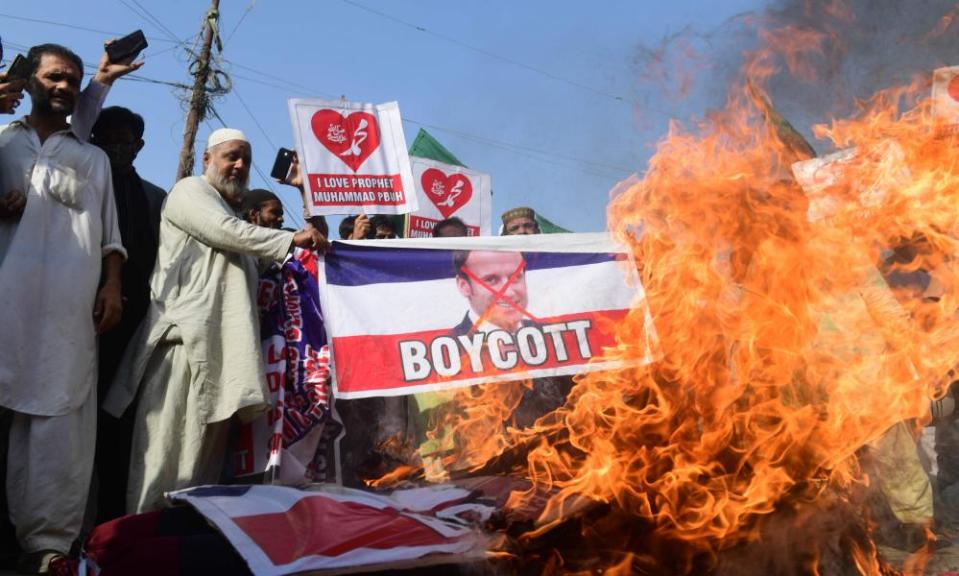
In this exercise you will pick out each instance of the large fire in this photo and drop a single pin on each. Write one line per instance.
(787, 362)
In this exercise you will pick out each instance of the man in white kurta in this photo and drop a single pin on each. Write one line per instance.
(55, 303)
(196, 358)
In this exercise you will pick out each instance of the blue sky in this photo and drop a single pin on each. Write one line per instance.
(547, 97)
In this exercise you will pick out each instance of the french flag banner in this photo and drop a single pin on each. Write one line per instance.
(419, 315)
(284, 530)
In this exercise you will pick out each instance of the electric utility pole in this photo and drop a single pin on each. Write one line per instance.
(199, 100)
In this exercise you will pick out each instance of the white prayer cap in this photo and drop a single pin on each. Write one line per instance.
(224, 135)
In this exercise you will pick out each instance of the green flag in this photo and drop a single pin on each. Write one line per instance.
(547, 227)
(789, 136)
(425, 146)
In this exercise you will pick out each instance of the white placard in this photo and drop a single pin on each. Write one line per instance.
(353, 156)
(444, 191)
(819, 176)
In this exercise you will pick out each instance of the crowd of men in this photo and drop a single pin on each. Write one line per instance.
(130, 338)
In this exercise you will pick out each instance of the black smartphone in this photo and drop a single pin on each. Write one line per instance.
(281, 166)
(19, 69)
(127, 48)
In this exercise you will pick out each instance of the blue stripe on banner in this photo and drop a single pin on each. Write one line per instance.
(353, 265)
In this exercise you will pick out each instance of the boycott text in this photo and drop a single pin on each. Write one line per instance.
(531, 346)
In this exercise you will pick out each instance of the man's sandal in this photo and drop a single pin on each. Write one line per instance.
(38, 562)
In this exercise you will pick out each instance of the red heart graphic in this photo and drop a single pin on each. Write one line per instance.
(954, 87)
(447, 193)
(351, 139)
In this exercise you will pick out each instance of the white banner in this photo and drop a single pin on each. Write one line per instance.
(446, 190)
(353, 156)
(281, 530)
(826, 181)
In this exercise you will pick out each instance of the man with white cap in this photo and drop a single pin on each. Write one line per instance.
(196, 358)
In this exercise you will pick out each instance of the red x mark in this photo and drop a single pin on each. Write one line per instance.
(498, 295)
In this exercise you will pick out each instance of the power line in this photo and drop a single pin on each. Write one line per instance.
(518, 147)
(170, 49)
(128, 77)
(145, 14)
(138, 78)
(587, 166)
(24, 48)
(75, 27)
(144, 79)
(483, 51)
(285, 89)
(308, 89)
(253, 117)
(156, 21)
(530, 151)
(249, 9)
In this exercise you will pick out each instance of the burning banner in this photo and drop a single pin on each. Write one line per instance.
(801, 346)
(414, 316)
(792, 378)
(354, 157)
(821, 176)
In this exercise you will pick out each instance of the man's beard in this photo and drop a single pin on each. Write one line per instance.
(43, 100)
(231, 190)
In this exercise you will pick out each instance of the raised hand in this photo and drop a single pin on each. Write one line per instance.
(108, 72)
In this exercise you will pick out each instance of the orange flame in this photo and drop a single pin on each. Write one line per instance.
(784, 350)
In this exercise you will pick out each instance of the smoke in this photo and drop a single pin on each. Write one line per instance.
(822, 56)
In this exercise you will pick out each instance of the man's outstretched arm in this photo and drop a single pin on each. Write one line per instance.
(95, 94)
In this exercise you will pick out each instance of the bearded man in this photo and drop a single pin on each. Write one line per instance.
(196, 357)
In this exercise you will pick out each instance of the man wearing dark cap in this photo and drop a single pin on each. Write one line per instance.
(263, 208)
(520, 220)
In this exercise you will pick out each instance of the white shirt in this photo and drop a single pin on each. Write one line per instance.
(50, 268)
(486, 327)
(204, 285)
